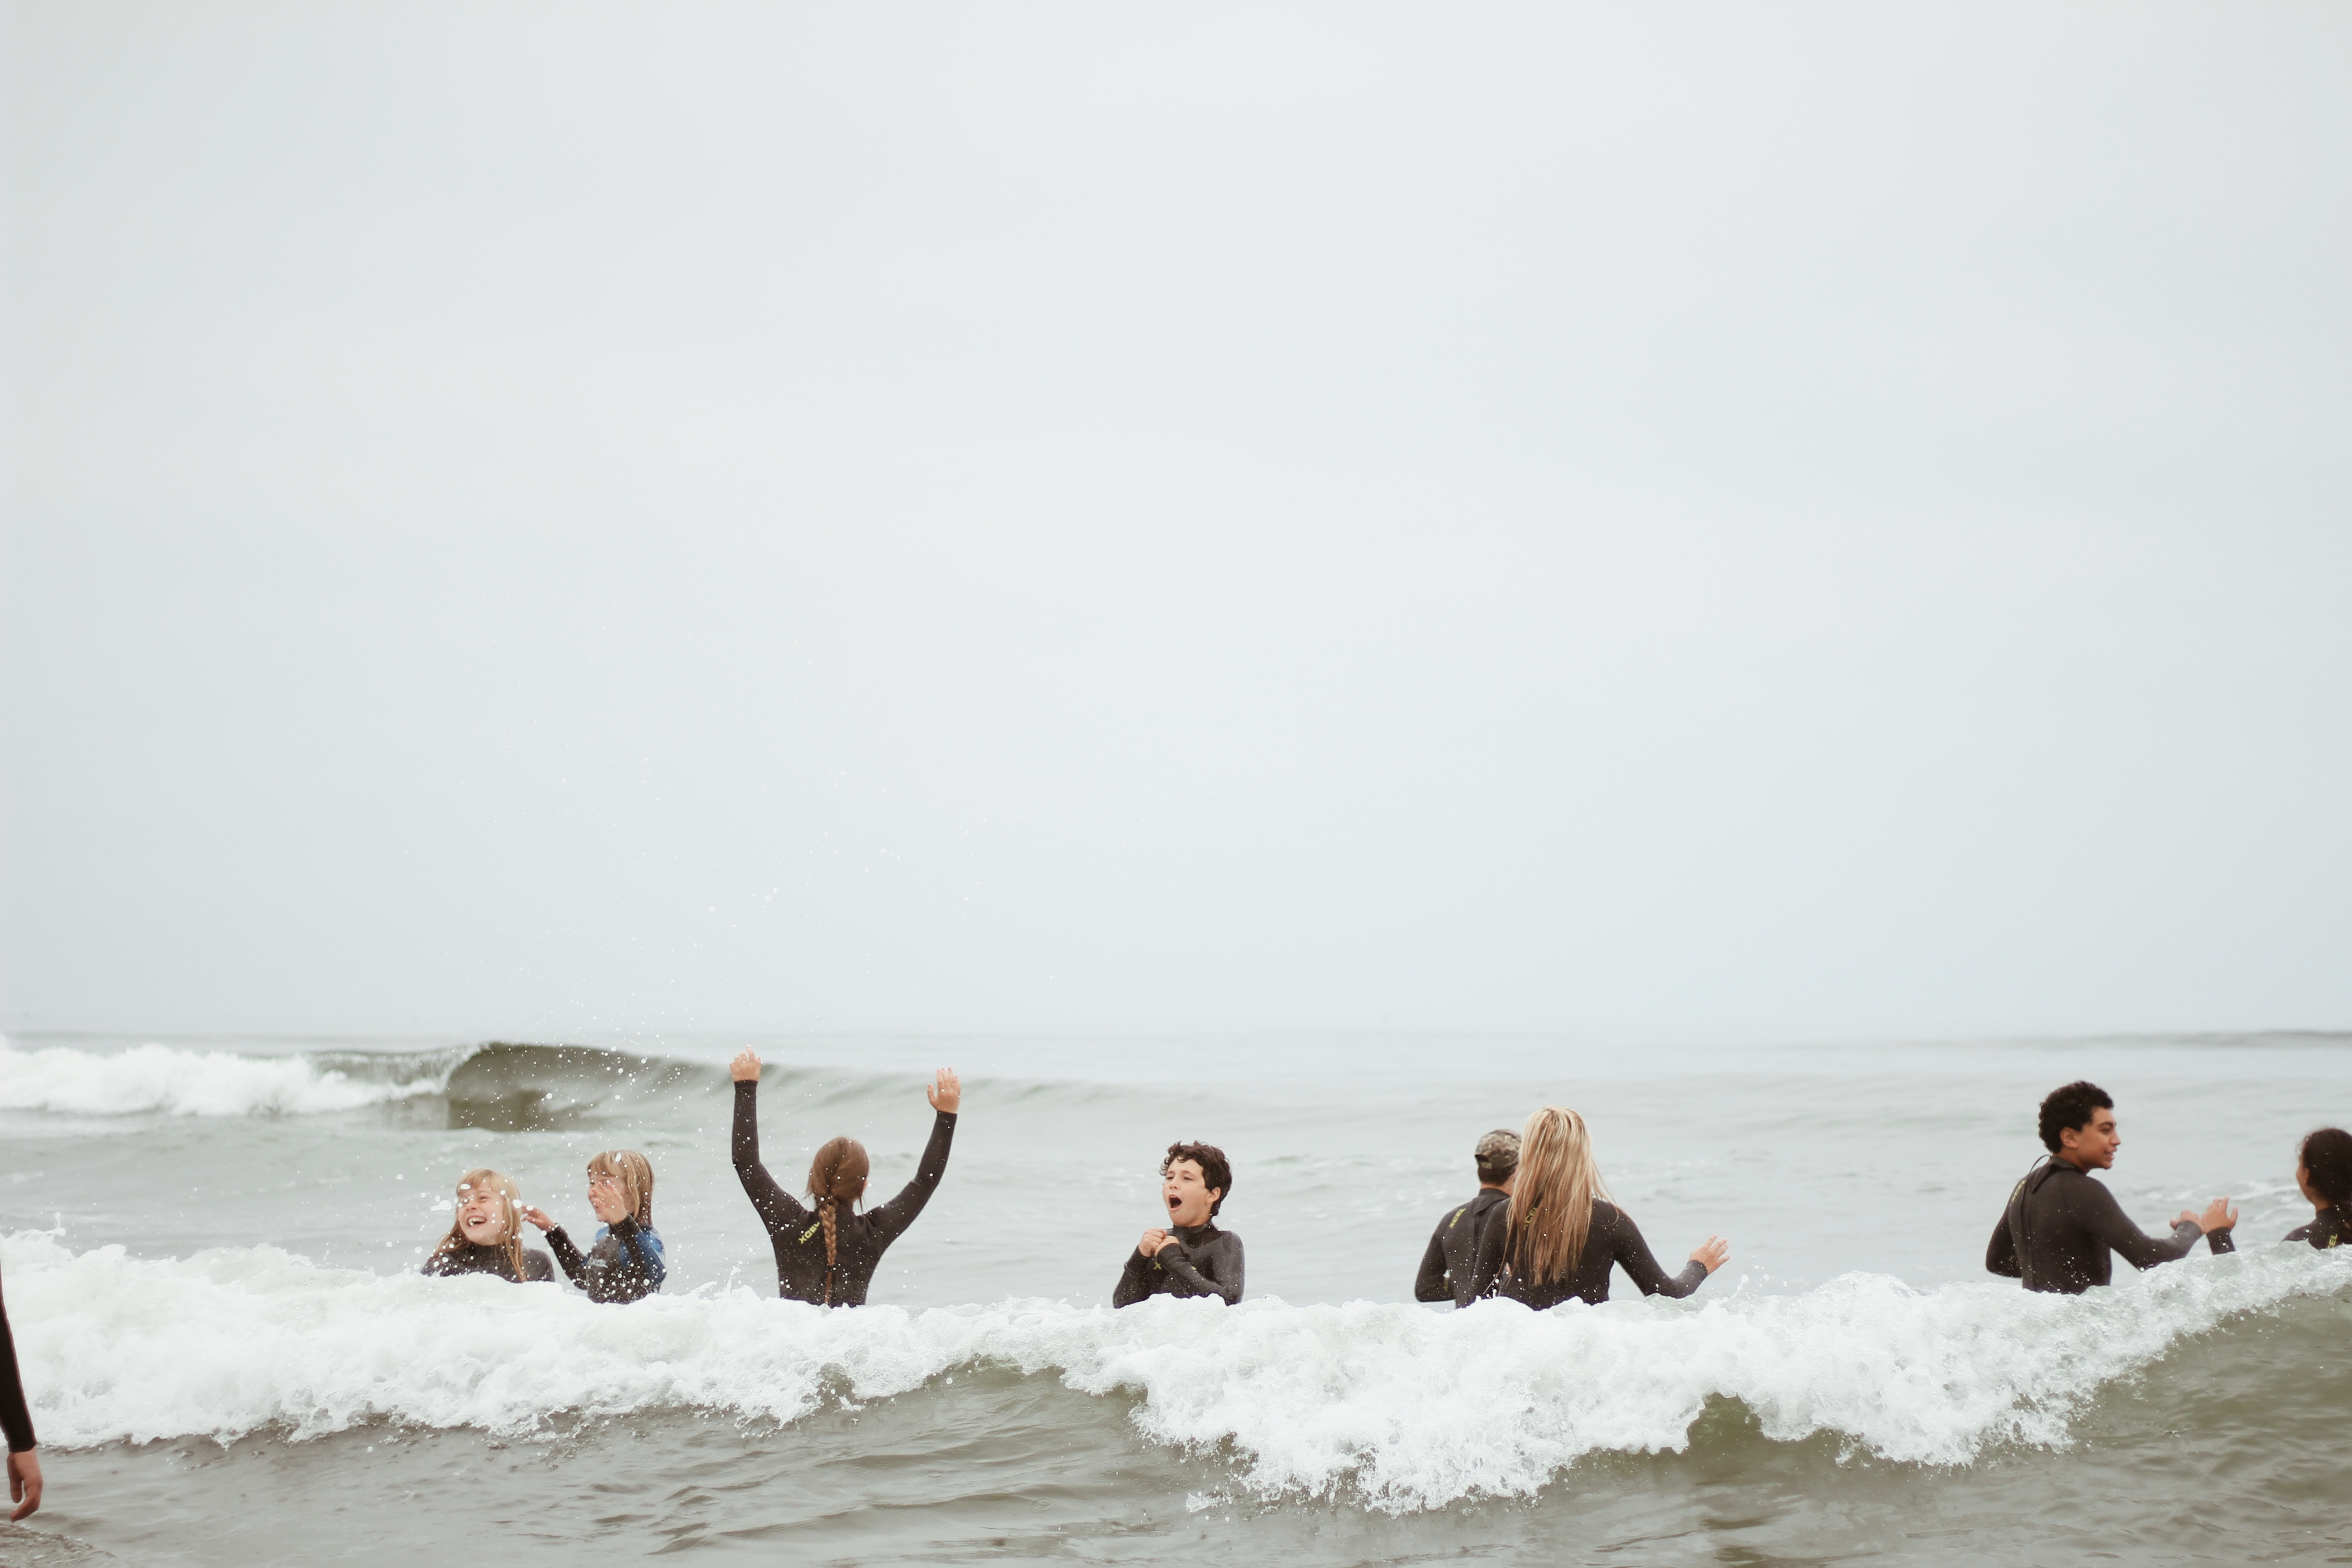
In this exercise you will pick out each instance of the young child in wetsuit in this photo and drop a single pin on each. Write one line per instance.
(1192, 1258)
(623, 1262)
(486, 1235)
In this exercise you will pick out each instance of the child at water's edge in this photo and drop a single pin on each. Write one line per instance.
(624, 1261)
(486, 1235)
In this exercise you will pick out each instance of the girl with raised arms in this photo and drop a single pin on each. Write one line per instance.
(623, 1262)
(1559, 1233)
(486, 1235)
(828, 1254)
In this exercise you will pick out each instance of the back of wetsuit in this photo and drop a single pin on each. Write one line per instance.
(2059, 1226)
(1449, 1265)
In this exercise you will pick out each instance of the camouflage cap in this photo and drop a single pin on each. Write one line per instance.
(1498, 1151)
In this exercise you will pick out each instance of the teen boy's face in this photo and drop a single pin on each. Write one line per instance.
(2092, 1145)
(1188, 1195)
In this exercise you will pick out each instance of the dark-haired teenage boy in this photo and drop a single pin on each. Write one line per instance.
(2060, 1225)
(1192, 1256)
(1452, 1255)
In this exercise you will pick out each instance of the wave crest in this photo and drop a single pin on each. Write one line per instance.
(164, 1080)
(1407, 1408)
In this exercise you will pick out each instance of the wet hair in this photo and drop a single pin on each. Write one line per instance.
(2071, 1107)
(510, 1240)
(2326, 1157)
(1550, 1213)
(1215, 1174)
(1497, 1155)
(633, 1175)
(836, 1176)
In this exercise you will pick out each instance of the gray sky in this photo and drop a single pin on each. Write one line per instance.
(1720, 521)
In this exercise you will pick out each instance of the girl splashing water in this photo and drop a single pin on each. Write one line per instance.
(625, 1261)
(486, 1235)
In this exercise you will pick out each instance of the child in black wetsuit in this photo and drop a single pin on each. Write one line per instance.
(1192, 1258)
(828, 1253)
(2323, 1169)
(624, 1261)
(486, 1235)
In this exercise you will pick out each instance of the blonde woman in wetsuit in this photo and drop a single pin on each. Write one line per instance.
(1559, 1234)
(828, 1254)
(486, 1235)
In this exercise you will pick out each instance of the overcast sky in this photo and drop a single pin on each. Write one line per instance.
(1650, 522)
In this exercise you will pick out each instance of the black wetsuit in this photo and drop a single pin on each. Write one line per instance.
(1201, 1261)
(1613, 1238)
(623, 1264)
(16, 1419)
(467, 1258)
(2333, 1228)
(801, 1272)
(1452, 1260)
(2059, 1225)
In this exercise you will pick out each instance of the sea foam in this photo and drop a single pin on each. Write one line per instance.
(164, 1080)
(1401, 1407)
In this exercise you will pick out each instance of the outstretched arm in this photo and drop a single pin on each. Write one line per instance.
(776, 1208)
(2096, 1211)
(567, 1256)
(1641, 1266)
(946, 1095)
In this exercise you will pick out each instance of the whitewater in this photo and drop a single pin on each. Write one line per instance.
(209, 1254)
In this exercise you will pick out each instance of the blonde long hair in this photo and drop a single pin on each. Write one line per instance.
(633, 1175)
(510, 1239)
(1550, 1216)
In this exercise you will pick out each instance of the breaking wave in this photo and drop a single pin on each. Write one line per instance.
(165, 1079)
(1404, 1408)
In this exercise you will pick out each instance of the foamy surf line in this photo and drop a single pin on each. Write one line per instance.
(163, 1079)
(1406, 1408)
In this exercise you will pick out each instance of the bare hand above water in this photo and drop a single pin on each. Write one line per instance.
(946, 1094)
(25, 1483)
(745, 1068)
(1712, 1252)
(538, 1217)
(1153, 1240)
(2218, 1215)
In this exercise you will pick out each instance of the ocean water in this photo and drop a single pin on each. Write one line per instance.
(209, 1249)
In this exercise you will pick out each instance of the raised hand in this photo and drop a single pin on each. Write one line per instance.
(538, 1217)
(1712, 1252)
(946, 1094)
(745, 1068)
(2218, 1216)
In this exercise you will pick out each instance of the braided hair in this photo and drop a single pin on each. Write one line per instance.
(836, 1176)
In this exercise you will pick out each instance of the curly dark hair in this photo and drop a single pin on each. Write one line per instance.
(1214, 1172)
(2071, 1107)
(2326, 1157)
